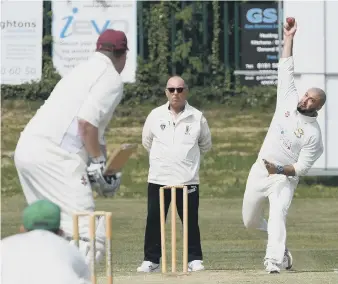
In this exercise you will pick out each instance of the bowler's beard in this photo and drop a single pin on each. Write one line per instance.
(307, 112)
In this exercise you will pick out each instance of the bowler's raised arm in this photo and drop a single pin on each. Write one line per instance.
(286, 89)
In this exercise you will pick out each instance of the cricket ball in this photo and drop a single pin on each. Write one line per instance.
(290, 21)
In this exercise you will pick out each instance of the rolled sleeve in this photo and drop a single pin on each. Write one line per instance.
(205, 142)
(308, 156)
(101, 98)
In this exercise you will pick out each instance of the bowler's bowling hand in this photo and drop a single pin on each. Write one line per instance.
(271, 168)
(290, 27)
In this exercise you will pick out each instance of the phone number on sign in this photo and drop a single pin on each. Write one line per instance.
(15, 71)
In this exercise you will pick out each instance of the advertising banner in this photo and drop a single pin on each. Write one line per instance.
(316, 65)
(77, 25)
(259, 42)
(21, 41)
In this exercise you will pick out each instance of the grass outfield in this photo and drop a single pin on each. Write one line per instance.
(236, 135)
(231, 253)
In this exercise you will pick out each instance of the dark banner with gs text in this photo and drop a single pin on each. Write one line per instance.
(259, 42)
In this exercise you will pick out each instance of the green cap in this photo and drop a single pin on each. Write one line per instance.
(43, 215)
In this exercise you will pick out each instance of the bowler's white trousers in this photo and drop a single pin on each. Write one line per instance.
(279, 190)
(46, 171)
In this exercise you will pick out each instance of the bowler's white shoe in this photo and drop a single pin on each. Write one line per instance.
(195, 265)
(148, 266)
(271, 267)
(287, 260)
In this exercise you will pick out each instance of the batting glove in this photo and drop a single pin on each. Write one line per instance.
(110, 186)
(96, 169)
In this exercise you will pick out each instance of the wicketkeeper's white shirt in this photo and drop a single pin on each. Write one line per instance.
(175, 145)
(41, 257)
(292, 138)
(91, 91)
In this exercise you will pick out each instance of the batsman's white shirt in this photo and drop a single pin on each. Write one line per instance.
(50, 157)
(175, 145)
(41, 257)
(292, 139)
(91, 92)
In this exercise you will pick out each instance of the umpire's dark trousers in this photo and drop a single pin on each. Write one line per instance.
(152, 242)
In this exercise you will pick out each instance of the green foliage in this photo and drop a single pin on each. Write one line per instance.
(215, 42)
(180, 37)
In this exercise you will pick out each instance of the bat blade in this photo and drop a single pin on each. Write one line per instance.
(119, 157)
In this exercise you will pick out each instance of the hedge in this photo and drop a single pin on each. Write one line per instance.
(144, 92)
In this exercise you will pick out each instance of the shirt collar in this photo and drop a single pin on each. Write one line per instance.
(103, 57)
(186, 106)
(307, 119)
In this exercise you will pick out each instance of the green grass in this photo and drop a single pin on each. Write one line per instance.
(236, 135)
(231, 253)
(227, 246)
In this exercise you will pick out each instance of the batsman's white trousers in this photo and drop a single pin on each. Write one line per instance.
(279, 190)
(47, 171)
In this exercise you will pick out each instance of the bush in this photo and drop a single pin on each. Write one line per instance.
(146, 92)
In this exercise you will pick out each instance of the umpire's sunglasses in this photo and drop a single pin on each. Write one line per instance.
(172, 90)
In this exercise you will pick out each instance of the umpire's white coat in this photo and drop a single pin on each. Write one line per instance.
(50, 156)
(175, 145)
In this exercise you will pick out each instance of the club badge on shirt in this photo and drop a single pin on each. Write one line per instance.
(299, 132)
(84, 180)
(163, 126)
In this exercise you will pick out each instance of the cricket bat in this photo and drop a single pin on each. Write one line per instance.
(118, 158)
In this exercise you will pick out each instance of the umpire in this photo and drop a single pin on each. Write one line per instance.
(175, 135)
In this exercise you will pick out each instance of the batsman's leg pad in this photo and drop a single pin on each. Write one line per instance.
(84, 248)
(101, 230)
(100, 238)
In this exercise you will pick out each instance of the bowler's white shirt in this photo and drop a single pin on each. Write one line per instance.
(41, 257)
(175, 145)
(91, 91)
(292, 138)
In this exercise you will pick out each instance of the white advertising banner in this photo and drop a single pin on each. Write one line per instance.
(321, 71)
(77, 25)
(21, 41)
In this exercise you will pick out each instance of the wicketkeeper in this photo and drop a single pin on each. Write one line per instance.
(39, 255)
(61, 152)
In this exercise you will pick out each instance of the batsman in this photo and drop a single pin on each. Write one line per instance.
(61, 152)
